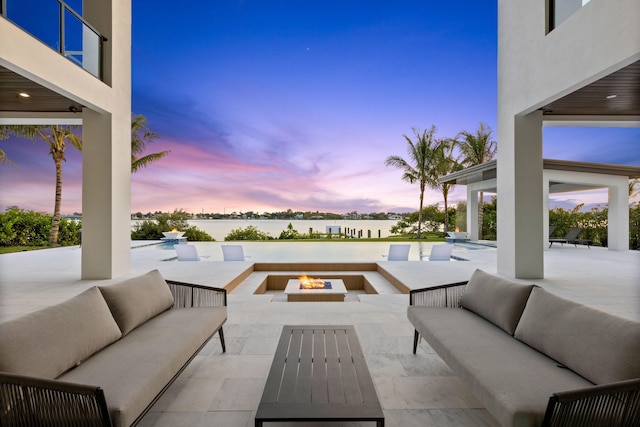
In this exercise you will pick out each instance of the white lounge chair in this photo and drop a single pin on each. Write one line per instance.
(187, 253)
(441, 252)
(233, 253)
(398, 253)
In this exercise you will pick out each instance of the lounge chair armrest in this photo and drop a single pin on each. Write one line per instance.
(190, 295)
(37, 401)
(438, 296)
(615, 404)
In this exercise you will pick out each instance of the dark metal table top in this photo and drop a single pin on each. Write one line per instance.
(319, 374)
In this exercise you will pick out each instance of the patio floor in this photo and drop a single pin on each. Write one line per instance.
(415, 390)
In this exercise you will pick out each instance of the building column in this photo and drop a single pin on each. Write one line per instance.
(618, 228)
(472, 213)
(106, 213)
(106, 154)
(520, 194)
(545, 210)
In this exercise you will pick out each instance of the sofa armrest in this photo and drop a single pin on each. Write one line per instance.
(615, 404)
(37, 401)
(190, 295)
(438, 296)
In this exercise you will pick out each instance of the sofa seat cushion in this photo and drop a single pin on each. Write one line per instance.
(135, 369)
(599, 346)
(50, 341)
(136, 300)
(511, 379)
(498, 300)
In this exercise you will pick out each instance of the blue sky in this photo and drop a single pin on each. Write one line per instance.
(270, 105)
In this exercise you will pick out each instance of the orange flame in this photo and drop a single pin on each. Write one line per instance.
(310, 283)
(173, 230)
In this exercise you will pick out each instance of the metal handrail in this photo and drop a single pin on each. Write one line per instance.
(63, 8)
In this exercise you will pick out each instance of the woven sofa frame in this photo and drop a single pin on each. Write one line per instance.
(607, 405)
(33, 401)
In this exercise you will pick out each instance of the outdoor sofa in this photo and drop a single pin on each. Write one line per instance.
(105, 356)
(531, 357)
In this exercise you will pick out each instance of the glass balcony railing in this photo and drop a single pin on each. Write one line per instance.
(60, 25)
(562, 9)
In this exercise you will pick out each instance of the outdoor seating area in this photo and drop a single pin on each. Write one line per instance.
(105, 356)
(516, 345)
(571, 238)
(225, 388)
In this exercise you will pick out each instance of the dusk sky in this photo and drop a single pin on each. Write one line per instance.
(271, 105)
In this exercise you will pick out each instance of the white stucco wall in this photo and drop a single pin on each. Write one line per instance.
(535, 68)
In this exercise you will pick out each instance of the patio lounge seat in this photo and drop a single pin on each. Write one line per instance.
(105, 356)
(440, 252)
(398, 253)
(571, 237)
(233, 253)
(188, 253)
(531, 357)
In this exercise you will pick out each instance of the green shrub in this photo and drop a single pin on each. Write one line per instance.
(249, 233)
(147, 230)
(195, 235)
(152, 229)
(634, 226)
(69, 232)
(29, 228)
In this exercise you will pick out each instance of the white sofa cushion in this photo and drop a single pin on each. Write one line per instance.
(135, 369)
(601, 347)
(512, 380)
(498, 300)
(50, 341)
(136, 300)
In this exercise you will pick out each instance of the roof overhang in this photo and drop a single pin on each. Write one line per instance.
(488, 171)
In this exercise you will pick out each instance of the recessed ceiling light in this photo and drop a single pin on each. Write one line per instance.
(23, 94)
(612, 96)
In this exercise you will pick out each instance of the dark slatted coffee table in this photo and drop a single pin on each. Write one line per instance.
(319, 374)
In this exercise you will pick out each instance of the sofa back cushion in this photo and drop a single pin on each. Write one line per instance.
(48, 342)
(136, 300)
(599, 346)
(498, 300)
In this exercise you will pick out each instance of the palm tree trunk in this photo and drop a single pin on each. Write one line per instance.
(446, 212)
(420, 213)
(55, 225)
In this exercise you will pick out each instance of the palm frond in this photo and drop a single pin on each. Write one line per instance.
(139, 163)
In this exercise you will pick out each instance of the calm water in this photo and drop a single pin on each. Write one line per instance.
(219, 228)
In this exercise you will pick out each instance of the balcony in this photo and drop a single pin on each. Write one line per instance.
(59, 24)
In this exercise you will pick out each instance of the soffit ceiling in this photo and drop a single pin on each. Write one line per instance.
(41, 99)
(592, 99)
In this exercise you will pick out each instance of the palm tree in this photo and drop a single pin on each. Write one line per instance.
(3, 135)
(57, 137)
(141, 135)
(477, 148)
(444, 163)
(419, 167)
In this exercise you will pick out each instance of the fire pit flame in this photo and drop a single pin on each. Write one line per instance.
(307, 282)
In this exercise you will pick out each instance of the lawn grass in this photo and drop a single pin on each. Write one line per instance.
(11, 249)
